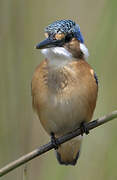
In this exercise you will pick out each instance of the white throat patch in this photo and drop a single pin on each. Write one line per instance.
(57, 56)
(56, 53)
(60, 55)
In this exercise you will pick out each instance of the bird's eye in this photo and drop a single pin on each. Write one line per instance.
(68, 38)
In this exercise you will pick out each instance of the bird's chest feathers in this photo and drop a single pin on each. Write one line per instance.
(63, 94)
(60, 88)
(60, 80)
(61, 101)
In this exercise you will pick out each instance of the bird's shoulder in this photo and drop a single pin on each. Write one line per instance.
(84, 70)
(39, 74)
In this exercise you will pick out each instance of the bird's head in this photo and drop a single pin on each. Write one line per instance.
(63, 38)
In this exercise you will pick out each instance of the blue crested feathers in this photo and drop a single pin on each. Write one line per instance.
(66, 27)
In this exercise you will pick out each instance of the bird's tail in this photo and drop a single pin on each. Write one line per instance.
(68, 153)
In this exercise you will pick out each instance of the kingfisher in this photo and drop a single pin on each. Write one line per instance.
(64, 87)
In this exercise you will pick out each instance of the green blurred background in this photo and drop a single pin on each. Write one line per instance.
(21, 27)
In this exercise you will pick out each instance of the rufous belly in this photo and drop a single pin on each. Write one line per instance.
(61, 115)
(64, 98)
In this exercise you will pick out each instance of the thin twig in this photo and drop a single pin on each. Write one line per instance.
(41, 150)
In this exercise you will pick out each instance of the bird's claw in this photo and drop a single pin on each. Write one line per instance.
(54, 141)
(84, 129)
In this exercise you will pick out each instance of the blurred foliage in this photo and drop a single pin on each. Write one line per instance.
(21, 27)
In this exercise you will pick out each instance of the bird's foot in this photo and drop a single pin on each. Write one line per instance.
(84, 128)
(54, 141)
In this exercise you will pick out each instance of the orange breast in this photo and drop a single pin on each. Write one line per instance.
(64, 97)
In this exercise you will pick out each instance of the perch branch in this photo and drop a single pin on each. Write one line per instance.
(41, 150)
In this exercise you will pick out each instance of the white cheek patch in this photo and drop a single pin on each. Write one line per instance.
(60, 53)
(84, 50)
